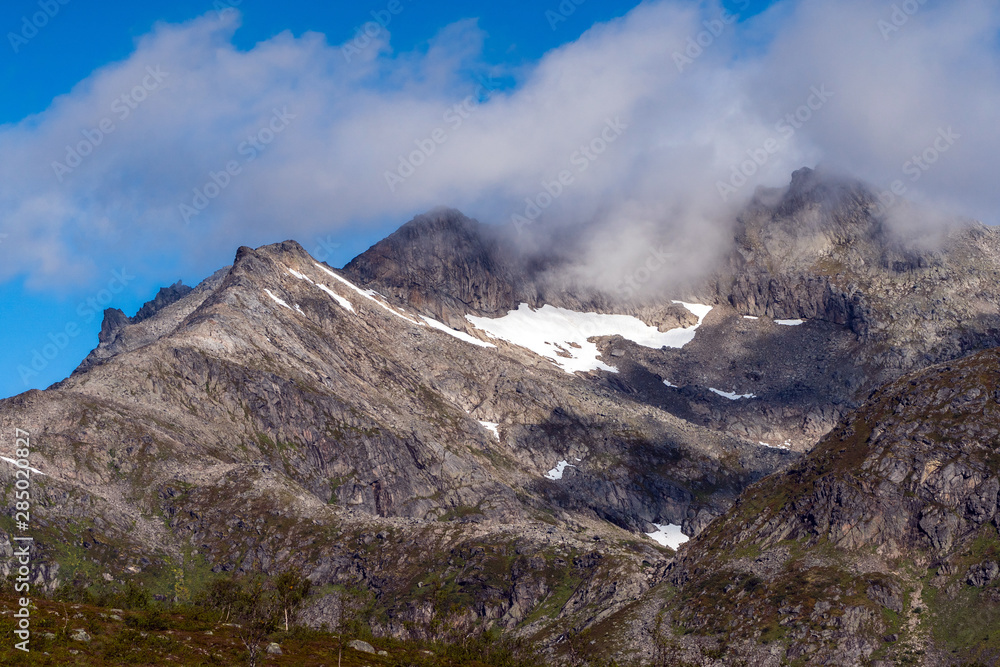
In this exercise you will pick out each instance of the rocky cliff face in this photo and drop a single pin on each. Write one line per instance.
(358, 425)
(874, 302)
(880, 546)
(120, 333)
(444, 264)
(279, 416)
(821, 251)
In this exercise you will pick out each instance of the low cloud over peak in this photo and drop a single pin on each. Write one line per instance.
(663, 121)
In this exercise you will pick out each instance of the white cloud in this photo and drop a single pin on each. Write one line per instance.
(353, 120)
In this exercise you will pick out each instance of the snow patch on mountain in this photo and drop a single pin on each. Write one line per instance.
(14, 463)
(375, 297)
(368, 294)
(460, 335)
(731, 395)
(493, 428)
(278, 301)
(344, 303)
(563, 336)
(786, 445)
(668, 535)
(701, 311)
(557, 472)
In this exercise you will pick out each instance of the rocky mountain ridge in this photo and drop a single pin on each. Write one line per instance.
(874, 303)
(878, 547)
(373, 428)
(278, 416)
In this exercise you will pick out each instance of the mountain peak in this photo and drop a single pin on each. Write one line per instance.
(441, 219)
(443, 263)
(289, 247)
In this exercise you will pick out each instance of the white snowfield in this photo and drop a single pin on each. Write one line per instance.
(787, 445)
(460, 335)
(557, 334)
(668, 535)
(277, 300)
(557, 472)
(562, 335)
(368, 294)
(344, 303)
(493, 428)
(375, 297)
(732, 396)
(670, 384)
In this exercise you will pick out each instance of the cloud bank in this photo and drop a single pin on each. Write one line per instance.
(652, 127)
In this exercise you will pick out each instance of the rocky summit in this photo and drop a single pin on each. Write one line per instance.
(447, 437)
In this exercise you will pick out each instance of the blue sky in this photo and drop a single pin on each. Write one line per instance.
(111, 232)
(83, 36)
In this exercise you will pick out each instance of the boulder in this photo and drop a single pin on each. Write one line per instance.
(359, 645)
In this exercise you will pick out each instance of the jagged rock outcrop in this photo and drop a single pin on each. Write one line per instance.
(880, 543)
(821, 249)
(278, 416)
(115, 320)
(444, 264)
(120, 333)
(163, 298)
(876, 302)
(441, 481)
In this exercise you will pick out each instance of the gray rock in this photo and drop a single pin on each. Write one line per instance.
(251, 427)
(983, 574)
(274, 648)
(359, 645)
